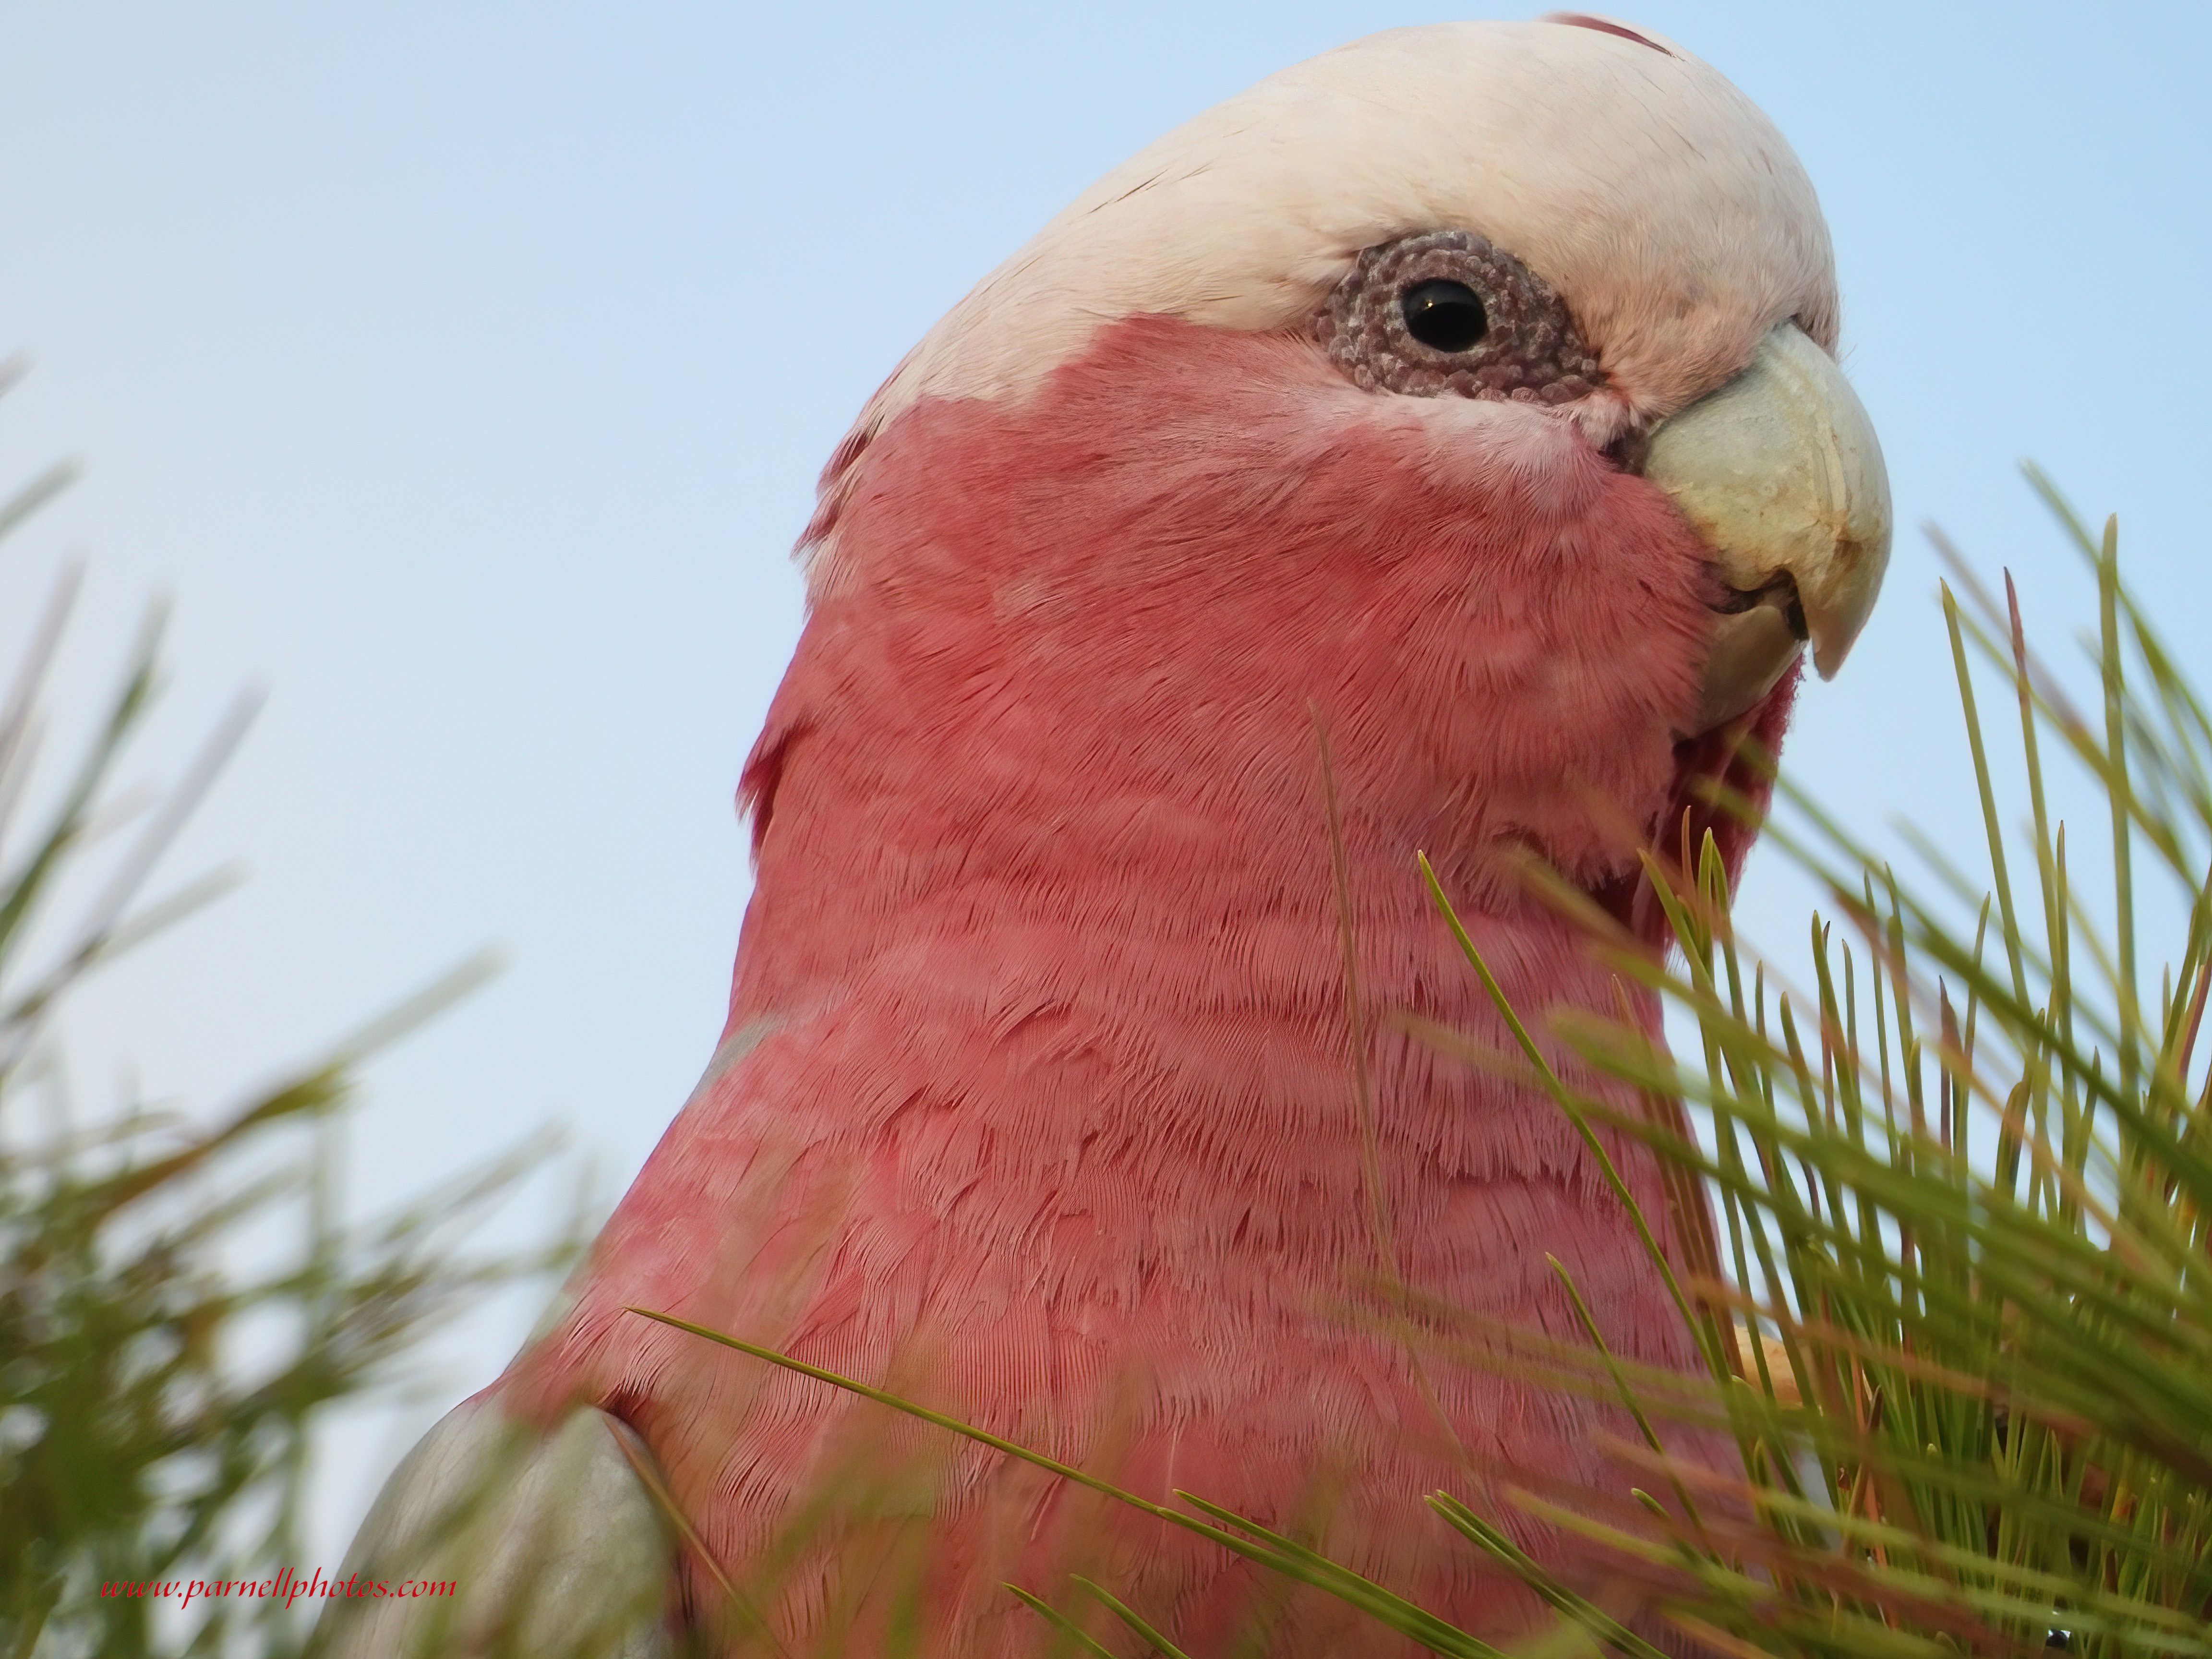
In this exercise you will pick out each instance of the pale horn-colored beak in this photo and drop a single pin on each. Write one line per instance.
(1780, 474)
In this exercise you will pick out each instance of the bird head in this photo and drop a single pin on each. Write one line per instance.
(1500, 353)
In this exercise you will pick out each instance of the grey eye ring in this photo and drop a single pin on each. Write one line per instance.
(1448, 313)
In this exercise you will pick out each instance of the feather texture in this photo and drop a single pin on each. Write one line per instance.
(1051, 1121)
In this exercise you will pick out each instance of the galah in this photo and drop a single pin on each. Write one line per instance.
(1446, 427)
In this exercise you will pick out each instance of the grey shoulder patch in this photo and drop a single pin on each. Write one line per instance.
(492, 1539)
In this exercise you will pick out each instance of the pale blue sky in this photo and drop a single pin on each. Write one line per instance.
(463, 371)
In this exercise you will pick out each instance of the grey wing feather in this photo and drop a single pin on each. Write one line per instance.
(493, 1538)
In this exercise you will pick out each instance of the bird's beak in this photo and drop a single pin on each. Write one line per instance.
(1780, 474)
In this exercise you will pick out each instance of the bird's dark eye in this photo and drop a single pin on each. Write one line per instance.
(1448, 313)
(1445, 315)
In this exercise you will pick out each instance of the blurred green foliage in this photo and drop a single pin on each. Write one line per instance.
(181, 1302)
(1957, 1317)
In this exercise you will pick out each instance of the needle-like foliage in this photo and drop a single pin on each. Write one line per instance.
(180, 1301)
(1961, 1329)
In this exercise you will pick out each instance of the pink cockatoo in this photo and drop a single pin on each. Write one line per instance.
(1465, 395)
